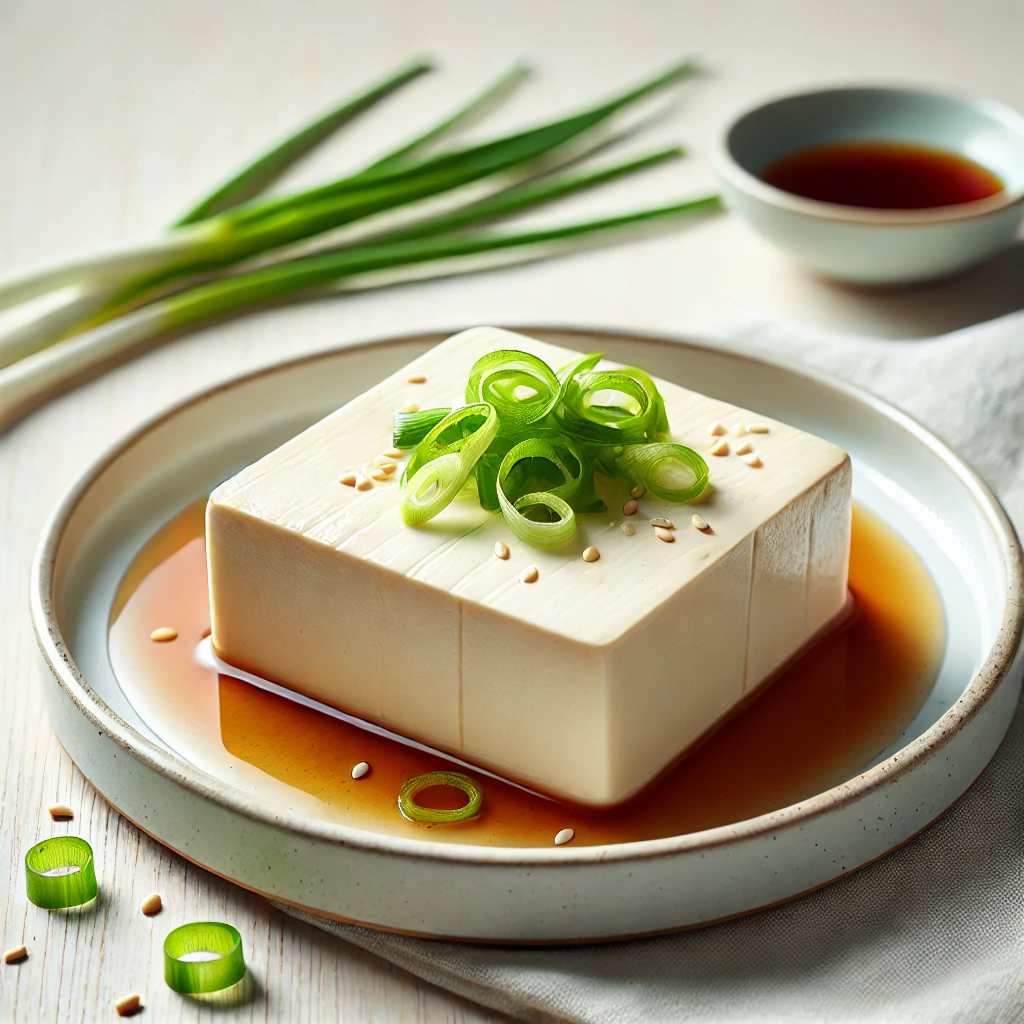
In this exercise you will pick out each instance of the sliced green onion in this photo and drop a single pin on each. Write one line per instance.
(411, 788)
(411, 427)
(561, 525)
(521, 387)
(203, 957)
(60, 873)
(613, 407)
(443, 460)
(671, 472)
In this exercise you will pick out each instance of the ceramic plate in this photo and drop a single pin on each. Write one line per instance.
(565, 893)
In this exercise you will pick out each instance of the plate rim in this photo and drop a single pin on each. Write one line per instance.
(982, 686)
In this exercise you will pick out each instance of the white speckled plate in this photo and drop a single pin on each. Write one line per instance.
(533, 895)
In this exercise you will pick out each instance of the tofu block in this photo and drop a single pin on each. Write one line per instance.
(584, 684)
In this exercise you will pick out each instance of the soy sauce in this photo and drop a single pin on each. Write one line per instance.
(882, 176)
(833, 710)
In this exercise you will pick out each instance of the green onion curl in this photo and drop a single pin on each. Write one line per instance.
(671, 472)
(443, 460)
(411, 427)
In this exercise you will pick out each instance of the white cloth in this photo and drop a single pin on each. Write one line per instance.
(932, 933)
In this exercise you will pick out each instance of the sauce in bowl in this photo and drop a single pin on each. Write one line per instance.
(882, 176)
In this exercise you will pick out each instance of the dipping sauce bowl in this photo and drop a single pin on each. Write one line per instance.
(864, 244)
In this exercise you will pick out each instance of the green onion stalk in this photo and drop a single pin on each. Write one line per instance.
(110, 304)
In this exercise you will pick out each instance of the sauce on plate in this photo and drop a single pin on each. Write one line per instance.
(882, 176)
(827, 715)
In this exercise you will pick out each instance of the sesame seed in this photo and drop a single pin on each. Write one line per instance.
(363, 483)
(565, 835)
(745, 448)
(381, 474)
(740, 430)
(720, 447)
(416, 378)
(668, 536)
(700, 553)
(163, 634)
(393, 453)
(15, 955)
(629, 509)
(410, 407)
(665, 524)
(360, 770)
(716, 429)
(349, 480)
(752, 460)
(388, 467)
(591, 554)
(501, 549)
(638, 492)
(627, 529)
(60, 812)
(757, 428)
(126, 1006)
(152, 904)
(700, 522)
(529, 574)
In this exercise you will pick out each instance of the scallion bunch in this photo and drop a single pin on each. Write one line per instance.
(235, 249)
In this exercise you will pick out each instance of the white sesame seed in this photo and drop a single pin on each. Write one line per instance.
(699, 553)
(15, 955)
(152, 904)
(60, 812)
(591, 554)
(745, 448)
(410, 407)
(128, 1005)
(349, 480)
(563, 836)
(393, 453)
(416, 378)
(163, 634)
(668, 536)
(363, 483)
(629, 509)
(740, 430)
(359, 770)
(379, 474)
(388, 467)
(716, 429)
(757, 428)
(752, 460)
(529, 574)
(501, 549)
(720, 447)
(627, 529)
(638, 492)
(665, 524)
(700, 522)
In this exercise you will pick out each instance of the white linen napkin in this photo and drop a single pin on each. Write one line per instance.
(932, 933)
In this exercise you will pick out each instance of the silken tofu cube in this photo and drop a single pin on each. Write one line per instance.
(584, 684)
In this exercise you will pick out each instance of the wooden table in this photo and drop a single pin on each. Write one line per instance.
(114, 116)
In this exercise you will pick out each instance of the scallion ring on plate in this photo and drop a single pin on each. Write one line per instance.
(443, 460)
(60, 873)
(205, 956)
(411, 788)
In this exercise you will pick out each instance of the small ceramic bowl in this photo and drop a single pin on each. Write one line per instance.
(873, 246)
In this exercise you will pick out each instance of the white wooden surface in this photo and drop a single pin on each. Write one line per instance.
(114, 116)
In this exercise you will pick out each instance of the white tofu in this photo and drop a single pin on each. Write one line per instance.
(584, 684)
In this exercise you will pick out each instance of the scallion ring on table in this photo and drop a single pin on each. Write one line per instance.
(60, 873)
(205, 956)
(443, 461)
(411, 788)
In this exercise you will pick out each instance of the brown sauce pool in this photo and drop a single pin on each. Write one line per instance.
(882, 176)
(825, 717)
